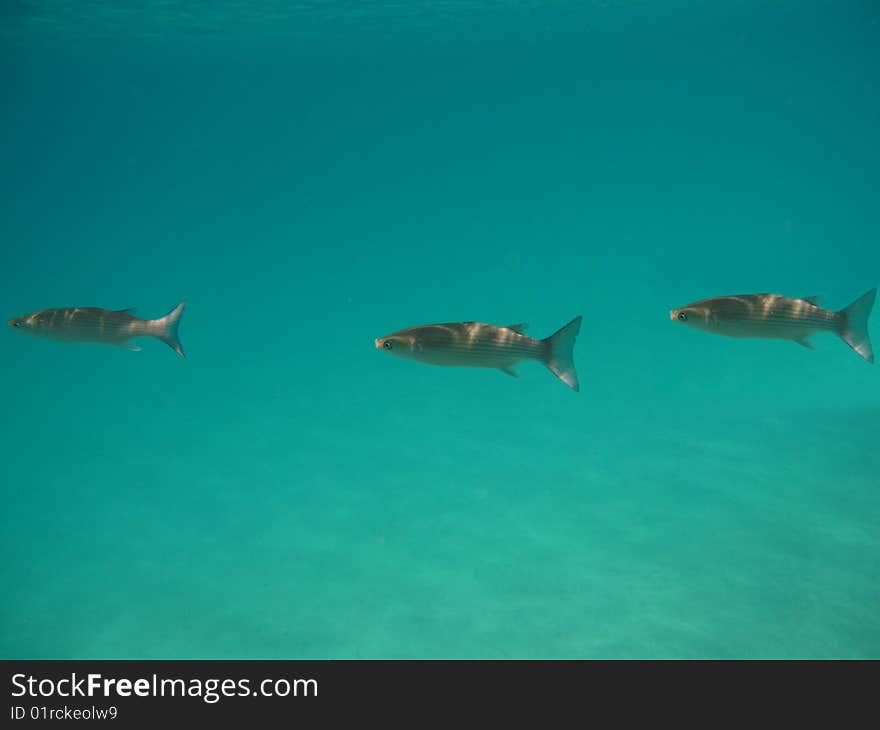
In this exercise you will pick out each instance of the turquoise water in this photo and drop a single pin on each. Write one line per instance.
(312, 176)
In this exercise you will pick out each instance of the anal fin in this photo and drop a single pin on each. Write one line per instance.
(510, 371)
(805, 342)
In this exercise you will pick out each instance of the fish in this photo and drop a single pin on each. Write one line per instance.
(778, 317)
(481, 345)
(101, 326)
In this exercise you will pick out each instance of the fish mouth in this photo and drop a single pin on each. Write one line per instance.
(672, 314)
(377, 343)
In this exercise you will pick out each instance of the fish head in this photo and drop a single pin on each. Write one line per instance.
(397, 344)
(26, 323)
(698, 316)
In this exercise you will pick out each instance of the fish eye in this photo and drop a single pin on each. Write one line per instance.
(682, 317)
(387, 344)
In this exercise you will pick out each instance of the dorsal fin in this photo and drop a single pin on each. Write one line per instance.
(813, 300)
(517, 327)
(128, 310)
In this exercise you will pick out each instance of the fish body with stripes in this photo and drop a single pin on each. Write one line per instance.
(476, 344)
(101, 326)
(774, 316)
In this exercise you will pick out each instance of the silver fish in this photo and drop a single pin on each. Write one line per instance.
(777, 317)
(476, 344)
(101, 326)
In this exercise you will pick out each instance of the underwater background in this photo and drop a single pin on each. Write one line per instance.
(309, 176)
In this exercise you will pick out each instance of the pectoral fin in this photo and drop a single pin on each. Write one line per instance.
(510, 371)
(133, 348)
(806, 343)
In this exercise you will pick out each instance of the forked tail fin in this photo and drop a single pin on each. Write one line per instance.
(166, 328)
(559, 355)
(854, 325)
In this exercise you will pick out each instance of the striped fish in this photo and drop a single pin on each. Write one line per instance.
(778, 317)
(475, 344)
(101, 326)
